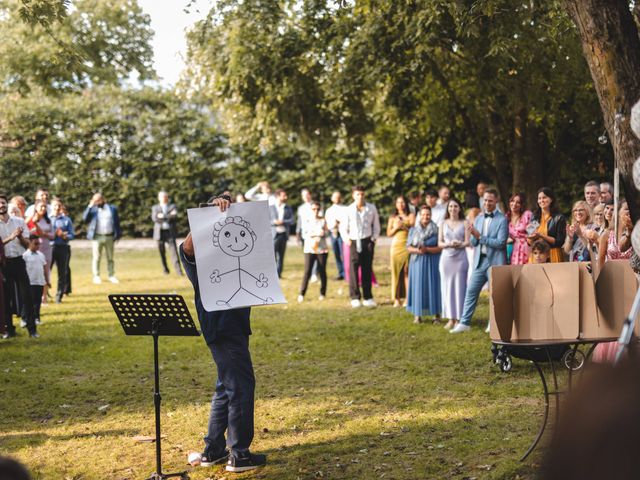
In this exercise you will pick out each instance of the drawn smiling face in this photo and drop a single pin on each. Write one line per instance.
(236, 240)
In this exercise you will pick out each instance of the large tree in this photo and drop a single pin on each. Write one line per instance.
(611, 47)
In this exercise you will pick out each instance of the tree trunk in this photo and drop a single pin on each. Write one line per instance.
(611, 47)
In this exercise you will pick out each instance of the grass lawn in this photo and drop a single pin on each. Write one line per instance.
(341, 393)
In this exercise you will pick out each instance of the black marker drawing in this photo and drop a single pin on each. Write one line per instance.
(234, 236)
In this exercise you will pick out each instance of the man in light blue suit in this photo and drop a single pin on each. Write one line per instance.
(489, 235)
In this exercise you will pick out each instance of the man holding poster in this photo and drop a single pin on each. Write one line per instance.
(227, 333)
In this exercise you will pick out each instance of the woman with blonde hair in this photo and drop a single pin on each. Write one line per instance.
(580, 233)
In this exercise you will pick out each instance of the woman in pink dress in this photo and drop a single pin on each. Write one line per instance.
(614, 246)
(518, 218)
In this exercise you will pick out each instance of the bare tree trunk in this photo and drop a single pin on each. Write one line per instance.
(611, 47)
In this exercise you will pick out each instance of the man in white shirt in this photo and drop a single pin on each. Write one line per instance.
(304, 213)
(42, 195)
(261, 191)
(438, 212)
(15, 237)
(333, 217)
(362, 229)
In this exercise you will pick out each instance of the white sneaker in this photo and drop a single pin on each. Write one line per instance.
(321, 297)
(97, 280)
(23, 324)
(313, 279)
(113, 279)
(460, 328)
(369, 303)
(300, 299)
(355, 303)
(488, 329)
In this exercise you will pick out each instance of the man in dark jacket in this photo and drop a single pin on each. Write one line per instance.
(227, 335)
(104, 230)
(164, 216)
(281, 220)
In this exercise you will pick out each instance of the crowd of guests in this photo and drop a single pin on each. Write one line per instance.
(441, 249)
(34, 239)
(440, 256)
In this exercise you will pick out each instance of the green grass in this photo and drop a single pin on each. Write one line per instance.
(341, 393)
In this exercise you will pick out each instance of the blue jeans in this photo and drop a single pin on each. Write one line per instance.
(232, 403)
(337, 252)
(479, 277)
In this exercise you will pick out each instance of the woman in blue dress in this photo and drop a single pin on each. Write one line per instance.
(425, 297)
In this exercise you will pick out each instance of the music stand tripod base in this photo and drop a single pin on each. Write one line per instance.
(155, 316)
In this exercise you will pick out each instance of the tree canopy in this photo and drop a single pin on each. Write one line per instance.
(96, 42)
(427, 92)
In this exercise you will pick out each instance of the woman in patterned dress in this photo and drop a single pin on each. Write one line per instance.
(519, 218)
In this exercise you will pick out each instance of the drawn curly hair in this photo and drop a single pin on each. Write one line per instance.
(218, 226)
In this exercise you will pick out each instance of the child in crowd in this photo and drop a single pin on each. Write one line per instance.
(540, 252)
(38, 271)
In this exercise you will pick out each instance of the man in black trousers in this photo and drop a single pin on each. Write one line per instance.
(164, 216)
(281, 220)
(363, 229)
(227, 335)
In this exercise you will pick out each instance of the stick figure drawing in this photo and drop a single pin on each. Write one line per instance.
(235, 238)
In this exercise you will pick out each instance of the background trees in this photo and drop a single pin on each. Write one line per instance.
(426, 91)
(399, 96)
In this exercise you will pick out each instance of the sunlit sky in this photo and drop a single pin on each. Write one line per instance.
(170, 22)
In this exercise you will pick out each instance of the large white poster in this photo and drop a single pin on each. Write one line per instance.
(235, 257)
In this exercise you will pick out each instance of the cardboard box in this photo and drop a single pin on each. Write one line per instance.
(560, 301)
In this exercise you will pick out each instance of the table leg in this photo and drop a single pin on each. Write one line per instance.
(546, 412)
(555, 382)
(573, 353)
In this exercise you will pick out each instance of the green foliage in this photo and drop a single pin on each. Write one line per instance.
(127, 144)
(427, 91)
(99, 41)
(43, 12)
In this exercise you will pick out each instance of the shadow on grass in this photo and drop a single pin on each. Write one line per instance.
(415, 451)
(15, 441)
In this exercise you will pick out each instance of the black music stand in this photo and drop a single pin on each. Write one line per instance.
(155, 315)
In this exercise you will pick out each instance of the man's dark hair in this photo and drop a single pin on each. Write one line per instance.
(316, 203)
(592, 183)
(357, 188)
(4, 197)
(33, 236)
(279, 191)
(431, 193)
(414, 195)
(492, 191)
